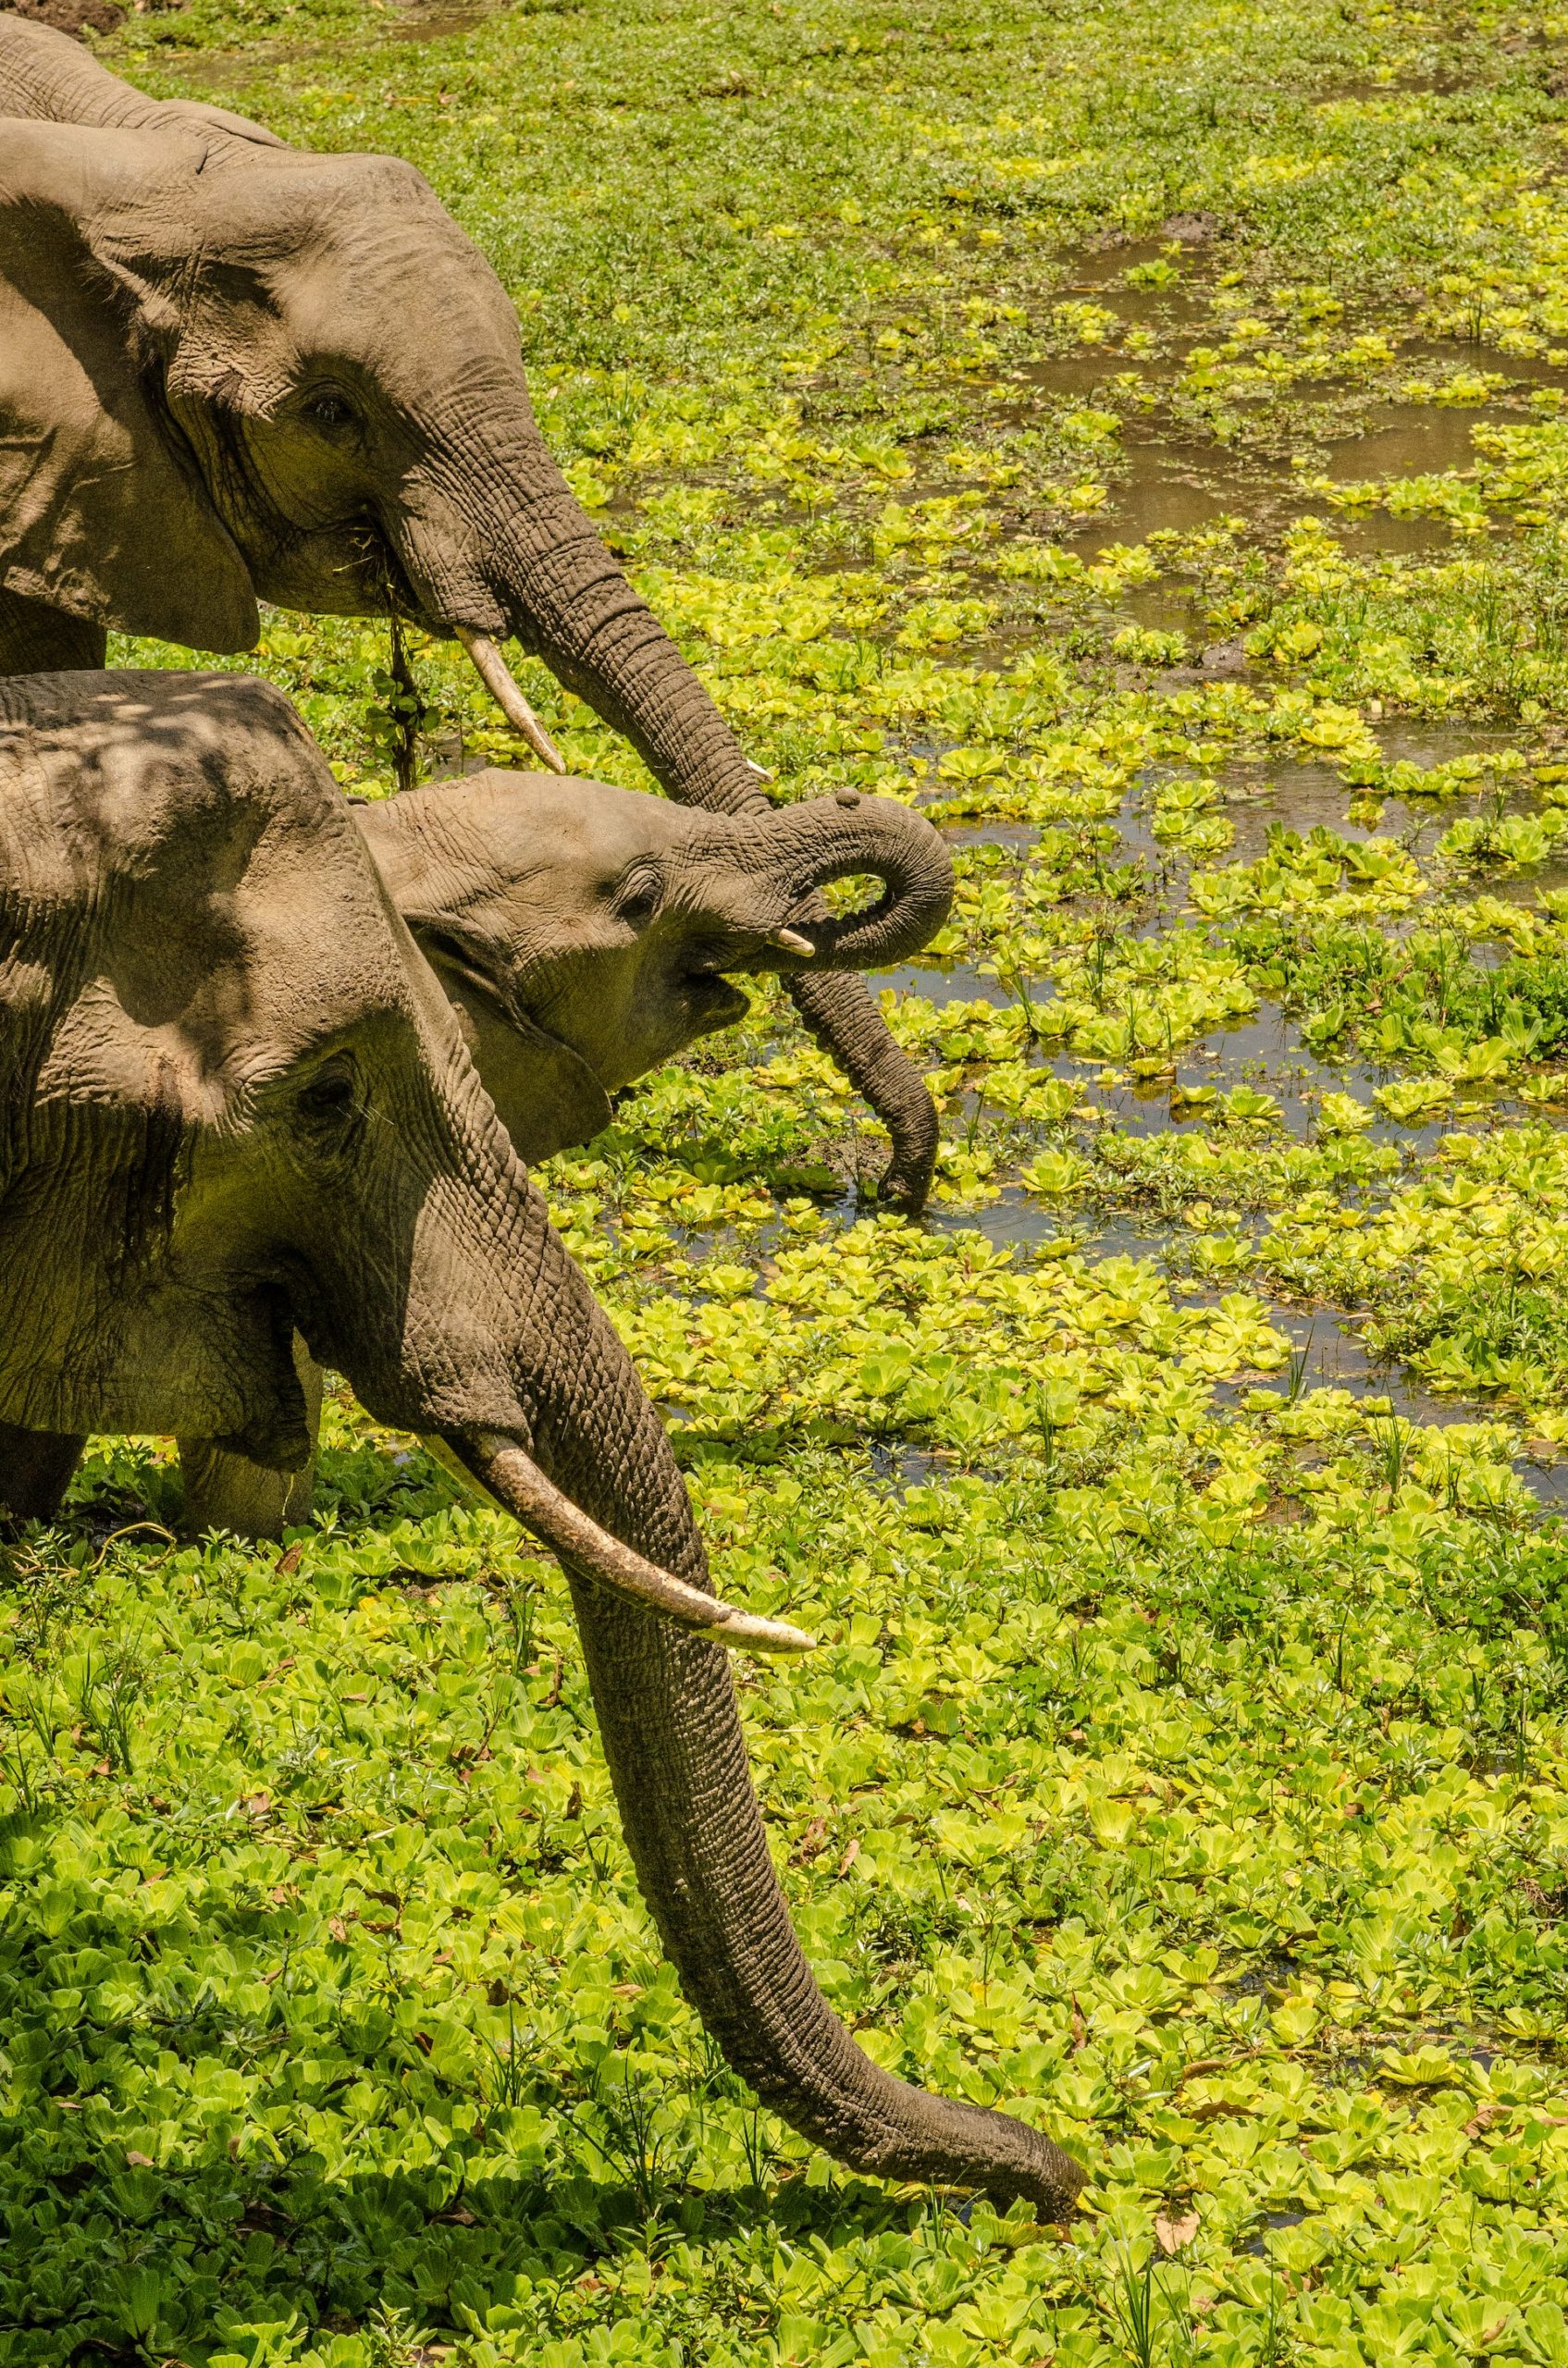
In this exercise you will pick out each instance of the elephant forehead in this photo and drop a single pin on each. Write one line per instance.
(332, 238)
(524, 833)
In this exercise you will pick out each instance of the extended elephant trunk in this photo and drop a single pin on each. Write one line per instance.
(502, 1351)
(825, 839)
(672, 1738)
(667, 1713)
(571, 605)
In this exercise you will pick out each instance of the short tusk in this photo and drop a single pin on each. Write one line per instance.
(760, 771)
(496, 675)
(514, 1482)
(790, 941)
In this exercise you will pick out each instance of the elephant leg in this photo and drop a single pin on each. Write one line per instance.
(228, 1491)
(35, 1471)
(36, 639)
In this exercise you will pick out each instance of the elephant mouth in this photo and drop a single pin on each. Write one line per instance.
(454, 955)
(711, 993)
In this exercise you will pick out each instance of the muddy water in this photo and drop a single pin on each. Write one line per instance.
(1171, 488)
(1166, 607)
(1409, 440)
(1175, 481)
(1378, 534)
(1081, 377)
(1180, 485)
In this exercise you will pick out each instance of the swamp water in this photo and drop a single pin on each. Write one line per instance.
(1266, 1052)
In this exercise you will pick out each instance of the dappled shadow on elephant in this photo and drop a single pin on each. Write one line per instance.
(232, 371)
(287, 1136)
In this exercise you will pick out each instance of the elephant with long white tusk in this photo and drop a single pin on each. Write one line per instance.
(235, 1105)
(233, 371)
(586, 934)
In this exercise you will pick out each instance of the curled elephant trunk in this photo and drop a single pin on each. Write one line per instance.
(840, 838)
(570, 604)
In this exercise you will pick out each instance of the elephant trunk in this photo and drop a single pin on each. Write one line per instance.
(571, 605)
(839, 838)
(666, 1708)
(672, 1735)
(502, 1350)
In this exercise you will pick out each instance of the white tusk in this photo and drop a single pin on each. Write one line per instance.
(496, 675)
(760, 771)
(789, 941)
(514, 1482)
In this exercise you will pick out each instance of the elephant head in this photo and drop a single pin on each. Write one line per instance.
(234, 1102)
(588, 933)
(230, 371)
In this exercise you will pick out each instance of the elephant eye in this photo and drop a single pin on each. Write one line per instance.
(638, 899)
(330, 409)
(330, 1104)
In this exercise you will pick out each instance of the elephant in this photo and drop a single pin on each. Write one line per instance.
(586, 934)
(236, 1104)
(233, 371)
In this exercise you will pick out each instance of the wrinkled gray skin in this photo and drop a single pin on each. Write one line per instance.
(585, 934)
(589, 933)
(232, 371)
(235, 1104)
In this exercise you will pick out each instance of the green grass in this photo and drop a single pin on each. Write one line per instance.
(1185, 1764)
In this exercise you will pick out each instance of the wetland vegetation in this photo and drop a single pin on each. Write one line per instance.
(1139, 436)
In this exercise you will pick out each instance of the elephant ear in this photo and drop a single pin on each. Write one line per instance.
(103, 512)
(546, 1096)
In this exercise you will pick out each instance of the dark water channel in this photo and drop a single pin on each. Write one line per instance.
(1327, 1353)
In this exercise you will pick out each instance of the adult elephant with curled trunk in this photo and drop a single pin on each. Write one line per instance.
(235, 1104)
(232, 371)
